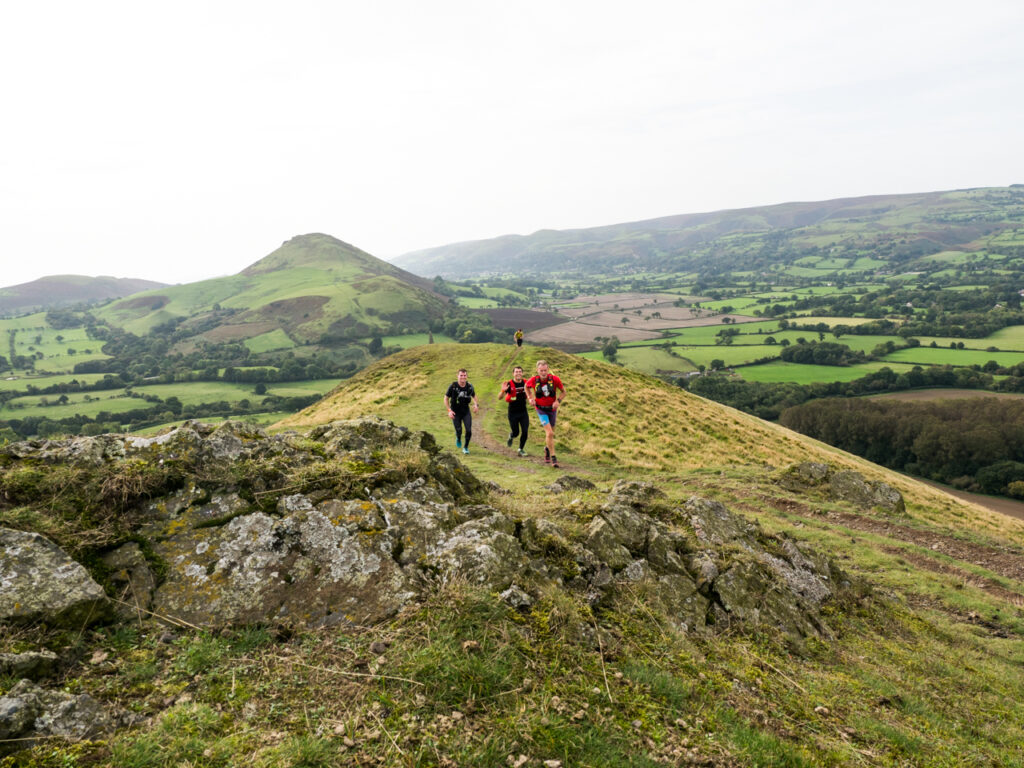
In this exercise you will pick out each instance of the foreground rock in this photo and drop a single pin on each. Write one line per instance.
(360, 518)
(29, 712)
(40, 583)
(212, 528)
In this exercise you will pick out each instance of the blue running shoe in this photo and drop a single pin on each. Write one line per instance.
(465, 450)
(458, 442)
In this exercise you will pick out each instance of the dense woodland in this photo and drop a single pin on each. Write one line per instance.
(975, 445)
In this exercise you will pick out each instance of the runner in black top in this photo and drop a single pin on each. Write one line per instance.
(514, 392)
(457, 400)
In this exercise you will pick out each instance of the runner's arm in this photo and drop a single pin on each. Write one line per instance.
(559, 397)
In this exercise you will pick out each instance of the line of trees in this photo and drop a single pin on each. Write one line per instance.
(975, 445)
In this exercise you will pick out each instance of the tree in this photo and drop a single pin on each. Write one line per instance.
(610, 349)
(717, 365)
(260, 388)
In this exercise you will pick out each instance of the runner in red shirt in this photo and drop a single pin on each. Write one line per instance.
(545, 393)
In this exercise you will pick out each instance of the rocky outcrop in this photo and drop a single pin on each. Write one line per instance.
(345, 526)
(40, 583)
(29, 712)
(359, 518)
(843, 485)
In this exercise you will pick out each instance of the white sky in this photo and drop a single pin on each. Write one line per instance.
(183, 140)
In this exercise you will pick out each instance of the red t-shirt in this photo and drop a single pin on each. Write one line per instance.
(545, 389)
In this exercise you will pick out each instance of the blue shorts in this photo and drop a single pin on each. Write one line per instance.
(546, 418)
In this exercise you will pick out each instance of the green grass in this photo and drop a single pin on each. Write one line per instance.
(476, 302)
(414, 340)
(10, 382)
(962, 357)
(779, 371)
(114, 401)
(268, 342)
(189, 393)
(648, 360)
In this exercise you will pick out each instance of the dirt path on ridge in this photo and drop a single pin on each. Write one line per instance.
(499, 447)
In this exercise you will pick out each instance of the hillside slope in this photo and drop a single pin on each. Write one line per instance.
(63, 290)
(894, 228)
(354, 594)
(615, 421)
(314, 287)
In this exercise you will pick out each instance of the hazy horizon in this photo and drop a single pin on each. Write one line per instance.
(185, 142)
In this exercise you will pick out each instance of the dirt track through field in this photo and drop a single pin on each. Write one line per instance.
(499, 447)
(1004, 561)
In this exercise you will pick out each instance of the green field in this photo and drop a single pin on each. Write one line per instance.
(189, 393)
(10, 382)
(778, 371)
(961, 357)
(414, 340)
(731, 355)
(1005, 338)
(268, 342)
(477, 302)
(114, 401)
(646, 359)
(55, 351)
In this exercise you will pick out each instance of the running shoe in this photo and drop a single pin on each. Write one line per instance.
(522, 452)
(458, 442)
(547, 459)
(465, 450)
(509, 441)
(554, 461)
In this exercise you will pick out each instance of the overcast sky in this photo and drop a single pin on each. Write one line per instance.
(183, 140)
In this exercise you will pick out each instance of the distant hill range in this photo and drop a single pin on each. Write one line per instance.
(65, 290)
(892, 228)
(314, 288)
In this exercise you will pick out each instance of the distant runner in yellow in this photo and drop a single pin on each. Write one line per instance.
(518, 335)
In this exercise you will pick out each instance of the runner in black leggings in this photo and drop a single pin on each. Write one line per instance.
(514, 392)
(457, 399)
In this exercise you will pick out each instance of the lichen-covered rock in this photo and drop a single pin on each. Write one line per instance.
(359, 518)
(417, 528)
(31, 665)
(132, 581)
(851, 486)
(28, 712)
(301, 569)
(368, 432)
(844, 485)
(570, 483)
(713, 524)
(39, 582)
(484, 551)
(808, 474)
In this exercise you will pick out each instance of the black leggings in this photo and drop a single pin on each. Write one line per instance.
(466, 417)
(517, 421)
